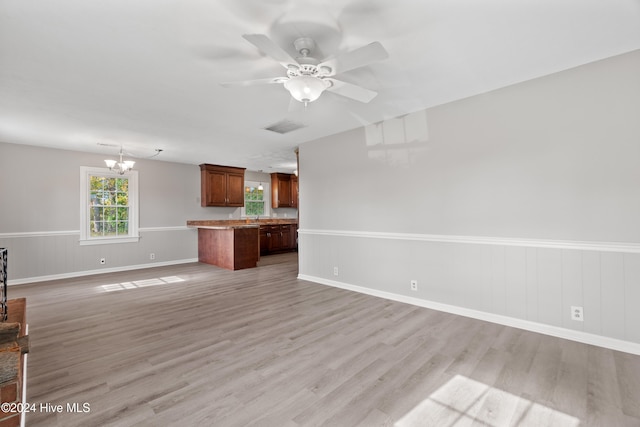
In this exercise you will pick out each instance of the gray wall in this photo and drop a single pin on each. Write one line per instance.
(40, 214)
(513, 205)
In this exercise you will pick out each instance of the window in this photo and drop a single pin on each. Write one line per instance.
(108, 206)
(255, 200)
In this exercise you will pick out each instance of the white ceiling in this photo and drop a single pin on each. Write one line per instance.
(146, 74)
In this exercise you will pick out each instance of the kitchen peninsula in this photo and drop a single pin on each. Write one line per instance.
(238, 244)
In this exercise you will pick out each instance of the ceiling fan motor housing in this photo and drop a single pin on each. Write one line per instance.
(304, 45)
(303, 70)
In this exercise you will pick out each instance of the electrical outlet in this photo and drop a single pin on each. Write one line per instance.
(414, 285)
(335, 271)
(103, 261)
(577, 313)
(152, 256)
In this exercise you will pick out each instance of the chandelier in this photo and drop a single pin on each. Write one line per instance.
(120, 166)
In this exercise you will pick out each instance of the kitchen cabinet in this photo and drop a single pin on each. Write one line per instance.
(294, 191)
(277, 238)
(284, 190)
(221, 185)
(285, 235)
(230, 247)
(265, 239)
(237, 244)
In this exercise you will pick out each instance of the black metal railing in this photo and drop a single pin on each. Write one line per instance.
(3, 285)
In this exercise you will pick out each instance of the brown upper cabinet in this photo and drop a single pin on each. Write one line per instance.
(284, 190)
(294, 191)
(221, 185)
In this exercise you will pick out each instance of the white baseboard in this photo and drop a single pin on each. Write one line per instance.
(579, 336)
(98, 271)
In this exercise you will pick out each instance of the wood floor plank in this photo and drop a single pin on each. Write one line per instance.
(194, 344)
(628, 376)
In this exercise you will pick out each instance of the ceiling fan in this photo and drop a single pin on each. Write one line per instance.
(306, 77)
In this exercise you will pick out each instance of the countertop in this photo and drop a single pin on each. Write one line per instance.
(226, 224)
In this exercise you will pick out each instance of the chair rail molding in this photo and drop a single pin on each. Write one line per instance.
(483, 240)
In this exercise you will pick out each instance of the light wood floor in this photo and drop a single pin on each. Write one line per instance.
(195, 345)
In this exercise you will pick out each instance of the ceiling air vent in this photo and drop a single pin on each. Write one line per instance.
(285, 126)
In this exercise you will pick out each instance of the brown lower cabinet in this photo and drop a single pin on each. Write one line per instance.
(231, 248)
(278, 238)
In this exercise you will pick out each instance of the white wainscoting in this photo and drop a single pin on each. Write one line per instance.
(51, 255)
(529, 284)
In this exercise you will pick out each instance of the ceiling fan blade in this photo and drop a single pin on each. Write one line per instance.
(255, 82)
(360, 57)
(267, 46)
(352, 91)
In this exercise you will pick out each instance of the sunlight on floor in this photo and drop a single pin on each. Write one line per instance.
(463, 401)
(141, 283)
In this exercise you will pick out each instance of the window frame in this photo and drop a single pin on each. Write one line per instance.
(267, 199)
(133, 236)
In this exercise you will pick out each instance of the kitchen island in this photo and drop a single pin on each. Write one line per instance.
(232, 244)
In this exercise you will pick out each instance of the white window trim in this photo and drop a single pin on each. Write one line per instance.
(267, 199)
(85, 236)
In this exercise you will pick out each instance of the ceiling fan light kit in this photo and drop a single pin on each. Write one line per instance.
(306, 88)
